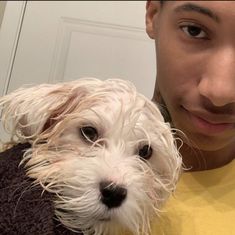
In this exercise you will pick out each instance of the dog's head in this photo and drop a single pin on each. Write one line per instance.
(102, 148)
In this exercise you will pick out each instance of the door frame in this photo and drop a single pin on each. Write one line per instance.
(9, 37)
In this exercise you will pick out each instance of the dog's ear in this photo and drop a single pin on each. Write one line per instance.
(27, 112)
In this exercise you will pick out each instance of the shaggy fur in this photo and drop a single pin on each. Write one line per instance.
(68, 164)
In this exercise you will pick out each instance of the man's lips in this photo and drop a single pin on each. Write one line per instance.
(209, 123)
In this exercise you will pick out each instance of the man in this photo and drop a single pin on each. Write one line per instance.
(195, 47)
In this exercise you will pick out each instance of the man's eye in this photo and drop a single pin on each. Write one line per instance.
(89, 133)
(194, 31)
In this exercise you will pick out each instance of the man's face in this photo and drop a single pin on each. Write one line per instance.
(195, 44)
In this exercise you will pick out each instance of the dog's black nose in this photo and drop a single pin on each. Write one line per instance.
(112, 195)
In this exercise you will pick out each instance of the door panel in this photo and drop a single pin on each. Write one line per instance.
(68, 40)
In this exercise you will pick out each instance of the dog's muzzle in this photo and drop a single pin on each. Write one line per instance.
(112, 195)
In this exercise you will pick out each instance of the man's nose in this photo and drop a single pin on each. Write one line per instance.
(218, 81)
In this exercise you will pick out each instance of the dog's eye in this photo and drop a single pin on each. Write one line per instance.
(89, 133)
(145, 152)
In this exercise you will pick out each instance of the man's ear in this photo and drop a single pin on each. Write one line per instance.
(152, 11)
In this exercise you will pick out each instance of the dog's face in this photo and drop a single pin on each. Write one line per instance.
(102, 148)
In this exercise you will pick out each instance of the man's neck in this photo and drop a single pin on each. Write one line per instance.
(197, 160)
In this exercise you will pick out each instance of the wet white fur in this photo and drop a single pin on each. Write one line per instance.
(49, 117)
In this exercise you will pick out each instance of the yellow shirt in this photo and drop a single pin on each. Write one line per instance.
(203, 204)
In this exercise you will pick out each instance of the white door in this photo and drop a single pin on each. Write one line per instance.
(67, 40)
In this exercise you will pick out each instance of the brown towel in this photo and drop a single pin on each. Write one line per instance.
(24, 210)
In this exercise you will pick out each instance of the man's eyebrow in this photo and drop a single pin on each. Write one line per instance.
(196, 8)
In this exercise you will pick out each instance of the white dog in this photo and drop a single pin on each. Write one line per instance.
(102, 148)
